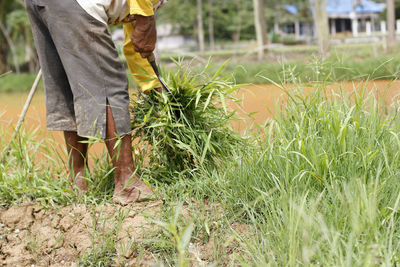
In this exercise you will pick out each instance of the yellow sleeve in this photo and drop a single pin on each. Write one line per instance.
(139, 67)
(141, 7)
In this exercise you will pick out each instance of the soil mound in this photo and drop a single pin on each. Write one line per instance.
(31, 235)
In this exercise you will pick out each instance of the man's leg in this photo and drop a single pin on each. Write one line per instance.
(60, 114)
(128, 187)
(77, 153)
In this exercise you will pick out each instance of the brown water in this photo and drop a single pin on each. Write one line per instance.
(260, 99)
(264, 99)
(10, 109)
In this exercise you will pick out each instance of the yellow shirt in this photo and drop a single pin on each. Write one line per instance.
(141, 7)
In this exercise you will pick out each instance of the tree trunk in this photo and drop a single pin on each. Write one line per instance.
(297, 29)
(11, 47)
(3, 56)
(30, 55)
(211, 24)
(321, 26)
(200, 27)
(391, 22)
(261, 27)
(239, 23)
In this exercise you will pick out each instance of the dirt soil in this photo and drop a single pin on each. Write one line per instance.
(31, 235)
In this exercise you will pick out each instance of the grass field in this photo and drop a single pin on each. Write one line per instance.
(317, 185)
(355, 62)
(346, 62)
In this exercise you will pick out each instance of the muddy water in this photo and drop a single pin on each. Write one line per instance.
(35, 121)
(262, 100)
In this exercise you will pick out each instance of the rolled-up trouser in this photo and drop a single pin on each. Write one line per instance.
(81, 69)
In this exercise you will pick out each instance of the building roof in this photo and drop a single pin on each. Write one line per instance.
(346, 7)
(291, 9)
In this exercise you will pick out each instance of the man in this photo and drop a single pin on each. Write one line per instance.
(86, 87)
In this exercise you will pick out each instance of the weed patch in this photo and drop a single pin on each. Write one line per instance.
(187, 129)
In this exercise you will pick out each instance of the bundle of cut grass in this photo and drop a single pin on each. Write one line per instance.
(187, 129)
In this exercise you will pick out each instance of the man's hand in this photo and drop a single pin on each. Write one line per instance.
(144, 36)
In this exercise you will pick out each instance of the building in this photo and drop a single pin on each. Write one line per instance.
(292, 23)
(345, 16)
(353, 16)
(169, 39)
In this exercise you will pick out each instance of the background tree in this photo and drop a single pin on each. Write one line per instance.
(391, 21)
(9, 46)
(211, 24)
(16, 42)
(6, 6)
(182, 14)
(232, 20)
(260, 25)
(200, 25)
(22, 35)
(321, 25)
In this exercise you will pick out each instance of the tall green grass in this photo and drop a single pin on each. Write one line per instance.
(335, 69)
(36, 170)
(320, 186)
